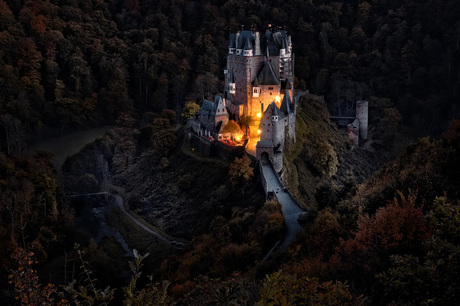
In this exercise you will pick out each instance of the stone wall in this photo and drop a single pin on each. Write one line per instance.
(214, 148)
(201, 144)
(228, 152)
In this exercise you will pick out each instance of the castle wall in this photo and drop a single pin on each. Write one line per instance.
(277, 161)
(201, 144)
(272, 131)
(228, 152)
(267, 94)
(244, 69)
(214, 148)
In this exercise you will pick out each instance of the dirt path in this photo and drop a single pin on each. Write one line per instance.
(118, 202)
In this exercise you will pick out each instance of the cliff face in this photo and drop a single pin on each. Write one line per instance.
(322, 166)
(178, 194)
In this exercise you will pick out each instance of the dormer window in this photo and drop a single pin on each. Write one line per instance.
(275, 118)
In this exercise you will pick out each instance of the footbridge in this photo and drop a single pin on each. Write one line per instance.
(289, 206)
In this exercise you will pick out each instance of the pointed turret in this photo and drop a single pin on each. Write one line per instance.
(247, 50)
(232, 44)
(286, 103)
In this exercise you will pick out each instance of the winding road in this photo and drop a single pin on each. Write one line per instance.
(291, 210)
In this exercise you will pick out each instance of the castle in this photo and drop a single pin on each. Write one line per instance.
(259, 88)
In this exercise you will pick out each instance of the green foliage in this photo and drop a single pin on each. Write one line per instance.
(283, 289)
(170, 115)
(426, 166)
(387, 121)
(324, 159)
(150, 294)
(87, 292)
(399, 227)
(240, 171)
(268, 225)
(189, 109)
(232, 128)
(164, 137)
(432, 276)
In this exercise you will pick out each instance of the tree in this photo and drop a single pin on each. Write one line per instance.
(24, 278)
(240, 171)
(398, 228)
(247, 121)
(324, 159)
(432, 275)
(164, 137)
(189, 110)
(169, 115)
(232, 128)
(282, 289)
(14, 133)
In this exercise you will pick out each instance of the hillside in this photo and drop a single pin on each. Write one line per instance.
(68, 64)
(383, 227)
(323, 165)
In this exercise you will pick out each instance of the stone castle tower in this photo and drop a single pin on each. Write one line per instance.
(259, 70)
(259, 83)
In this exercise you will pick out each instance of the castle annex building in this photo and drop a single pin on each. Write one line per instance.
(258, 86)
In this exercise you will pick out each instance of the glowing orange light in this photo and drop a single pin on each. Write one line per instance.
(238, 138)
(278, 99)
(259, 115)
(258, 132)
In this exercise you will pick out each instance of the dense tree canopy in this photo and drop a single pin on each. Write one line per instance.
(66, 64)
(77, 63)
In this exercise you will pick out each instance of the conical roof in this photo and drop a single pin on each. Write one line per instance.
(285, 104)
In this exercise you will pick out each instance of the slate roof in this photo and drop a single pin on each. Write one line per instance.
(267, 76)
(272, 42)
(248, 44)
(210, 108)
(286, 103)
(272, 110)
(264, 144)
(243, 38)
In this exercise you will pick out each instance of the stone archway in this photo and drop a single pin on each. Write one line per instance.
(264, 157)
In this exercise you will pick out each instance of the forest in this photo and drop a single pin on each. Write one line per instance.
(383, 228)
